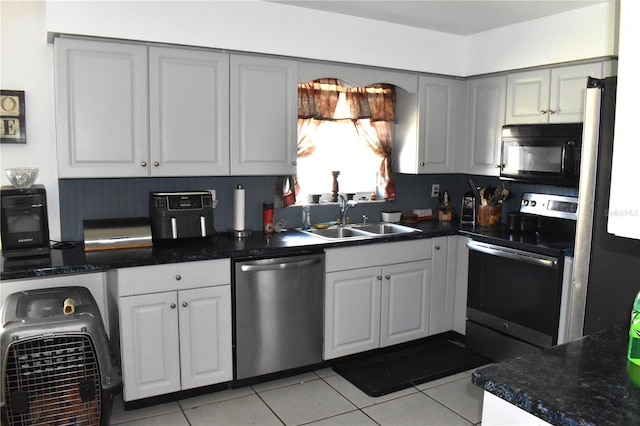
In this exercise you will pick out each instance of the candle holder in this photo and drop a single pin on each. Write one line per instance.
(335, 188)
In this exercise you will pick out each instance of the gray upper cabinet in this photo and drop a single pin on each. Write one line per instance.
(126, 110)
(442, 117)
(101, 109)
(264, 115)
(549, 95)
(487, 98)
(188, 112)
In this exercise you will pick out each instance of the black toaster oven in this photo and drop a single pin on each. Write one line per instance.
(25, 225)
(179, 215)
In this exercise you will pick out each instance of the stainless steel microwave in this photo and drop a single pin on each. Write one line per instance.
(541, 153)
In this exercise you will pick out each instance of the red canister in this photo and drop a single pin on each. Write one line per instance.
(267, 217)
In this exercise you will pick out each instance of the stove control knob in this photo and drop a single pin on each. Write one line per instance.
(533, 203)
(525, 202)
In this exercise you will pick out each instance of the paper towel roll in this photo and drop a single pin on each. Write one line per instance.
(238, 209)
(69, 306)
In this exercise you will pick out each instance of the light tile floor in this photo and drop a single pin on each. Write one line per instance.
(317, 398)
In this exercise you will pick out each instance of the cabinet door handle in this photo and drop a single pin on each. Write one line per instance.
(178, 277)
(173, 306)
(421, 163)
(388, 277)
(185, 304)
(379, 278)
(543, 112)
(551, 111)
(294, 163)
(437, 247)
(156, 163)
(143, 164)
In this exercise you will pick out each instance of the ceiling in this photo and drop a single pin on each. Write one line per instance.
(462, 17)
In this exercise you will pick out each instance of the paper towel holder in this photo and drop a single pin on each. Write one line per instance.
(240, 234)
(238, 204)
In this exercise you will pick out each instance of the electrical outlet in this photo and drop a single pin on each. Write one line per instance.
(435, 190)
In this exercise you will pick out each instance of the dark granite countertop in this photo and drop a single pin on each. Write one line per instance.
(75, 260)
(584, 382)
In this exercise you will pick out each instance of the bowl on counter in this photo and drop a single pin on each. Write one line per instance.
(22, 177)
(391, 216)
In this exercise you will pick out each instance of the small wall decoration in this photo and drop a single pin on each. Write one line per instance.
(13, 128)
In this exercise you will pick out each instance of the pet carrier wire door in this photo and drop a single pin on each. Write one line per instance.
(53, 381)
(53, 372)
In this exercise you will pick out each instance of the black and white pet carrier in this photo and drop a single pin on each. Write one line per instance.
(57, 366)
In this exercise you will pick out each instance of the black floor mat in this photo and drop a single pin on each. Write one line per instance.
(409, 366)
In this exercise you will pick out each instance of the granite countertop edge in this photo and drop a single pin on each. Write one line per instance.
(522, 399)
(582, 382)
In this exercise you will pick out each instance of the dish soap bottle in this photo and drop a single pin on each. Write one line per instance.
(633, 352)
(306, 217)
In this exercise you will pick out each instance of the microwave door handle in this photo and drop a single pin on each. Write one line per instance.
(203, 227)
(519, 255)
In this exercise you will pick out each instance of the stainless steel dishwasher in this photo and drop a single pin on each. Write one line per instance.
(278, 314)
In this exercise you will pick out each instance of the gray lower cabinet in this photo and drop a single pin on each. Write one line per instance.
(383, 294)
(376, 295)
(174, 325)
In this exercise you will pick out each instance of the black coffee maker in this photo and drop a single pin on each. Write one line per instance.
(25, 225)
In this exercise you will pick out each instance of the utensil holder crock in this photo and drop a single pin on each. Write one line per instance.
(490, 216)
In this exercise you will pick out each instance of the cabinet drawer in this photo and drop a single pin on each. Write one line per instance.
(174, 276)
(340, 259)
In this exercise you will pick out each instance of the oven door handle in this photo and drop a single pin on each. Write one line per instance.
(519, 255)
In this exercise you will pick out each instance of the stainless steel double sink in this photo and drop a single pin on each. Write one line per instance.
(350, 232)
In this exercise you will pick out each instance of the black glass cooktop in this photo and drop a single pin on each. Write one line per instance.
(549, 243)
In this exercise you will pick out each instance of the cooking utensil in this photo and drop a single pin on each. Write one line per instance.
(474, 188)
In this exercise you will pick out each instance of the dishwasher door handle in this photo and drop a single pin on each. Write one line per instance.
(519, 255)
(278, 266)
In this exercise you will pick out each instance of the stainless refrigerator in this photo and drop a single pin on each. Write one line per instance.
(606, 275)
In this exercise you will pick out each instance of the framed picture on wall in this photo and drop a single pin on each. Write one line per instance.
(13, 128)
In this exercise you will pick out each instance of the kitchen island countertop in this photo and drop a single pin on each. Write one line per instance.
(584, 382)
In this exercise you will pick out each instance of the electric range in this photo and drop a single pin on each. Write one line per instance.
(519, 283)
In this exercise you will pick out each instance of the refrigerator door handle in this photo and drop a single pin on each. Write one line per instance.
(586, 197)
